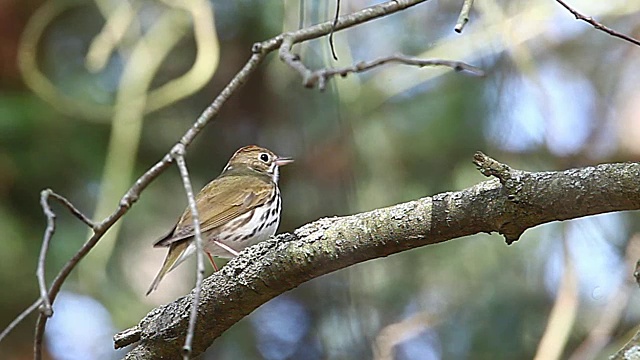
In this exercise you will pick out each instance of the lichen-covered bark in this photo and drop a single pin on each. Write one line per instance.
(515, 201)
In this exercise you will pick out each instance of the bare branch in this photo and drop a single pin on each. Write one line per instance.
(74, 211)
(320, 77)
(597, 25)
(178, 153)
(311, 78)
(270, 268)
(344, 21)
(285, 41)
(98, 231)
(333, 28)
(19, 318)
(45, 309)
(463, 18)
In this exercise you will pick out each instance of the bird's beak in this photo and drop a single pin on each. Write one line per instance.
(280, 161)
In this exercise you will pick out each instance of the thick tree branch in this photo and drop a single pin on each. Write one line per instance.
(523, 200)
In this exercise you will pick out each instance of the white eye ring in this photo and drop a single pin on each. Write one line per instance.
(264, 157)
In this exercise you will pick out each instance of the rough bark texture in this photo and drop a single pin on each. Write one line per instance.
(509, 205)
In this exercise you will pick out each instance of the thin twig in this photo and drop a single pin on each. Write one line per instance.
(46, 298)
(597, 25)
(344, 22)
(463, 18)
(45, 309)
(99, 229)
(320, 77)
(77, 213)
(19, 318)
(333, 28)
(178, 153)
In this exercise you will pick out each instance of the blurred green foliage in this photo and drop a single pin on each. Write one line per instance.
(370, 140)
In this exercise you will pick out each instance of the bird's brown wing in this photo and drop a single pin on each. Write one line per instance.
(233, 196)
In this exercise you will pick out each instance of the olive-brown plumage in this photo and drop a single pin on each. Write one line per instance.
(239, 208)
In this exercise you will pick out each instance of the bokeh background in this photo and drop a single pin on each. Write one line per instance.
(93, 93)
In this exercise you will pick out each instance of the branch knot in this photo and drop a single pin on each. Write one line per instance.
(178, 151)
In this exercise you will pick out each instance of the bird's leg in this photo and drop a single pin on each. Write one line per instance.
(230, 250)
(213, 263)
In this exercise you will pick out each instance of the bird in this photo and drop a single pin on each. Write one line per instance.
(239, 208)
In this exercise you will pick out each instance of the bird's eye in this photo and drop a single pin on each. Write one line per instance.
(264, 157)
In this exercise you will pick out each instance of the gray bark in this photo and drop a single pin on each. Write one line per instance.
(513, 202)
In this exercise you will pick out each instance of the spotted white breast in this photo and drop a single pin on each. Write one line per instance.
(249, 229)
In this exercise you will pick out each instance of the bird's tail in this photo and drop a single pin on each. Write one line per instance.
(178, 252)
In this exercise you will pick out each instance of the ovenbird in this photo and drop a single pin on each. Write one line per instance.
(239, 208)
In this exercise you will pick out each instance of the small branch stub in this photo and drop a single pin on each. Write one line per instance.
(491, 167)
(511, 184)
(126, 337)
(463, 18)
